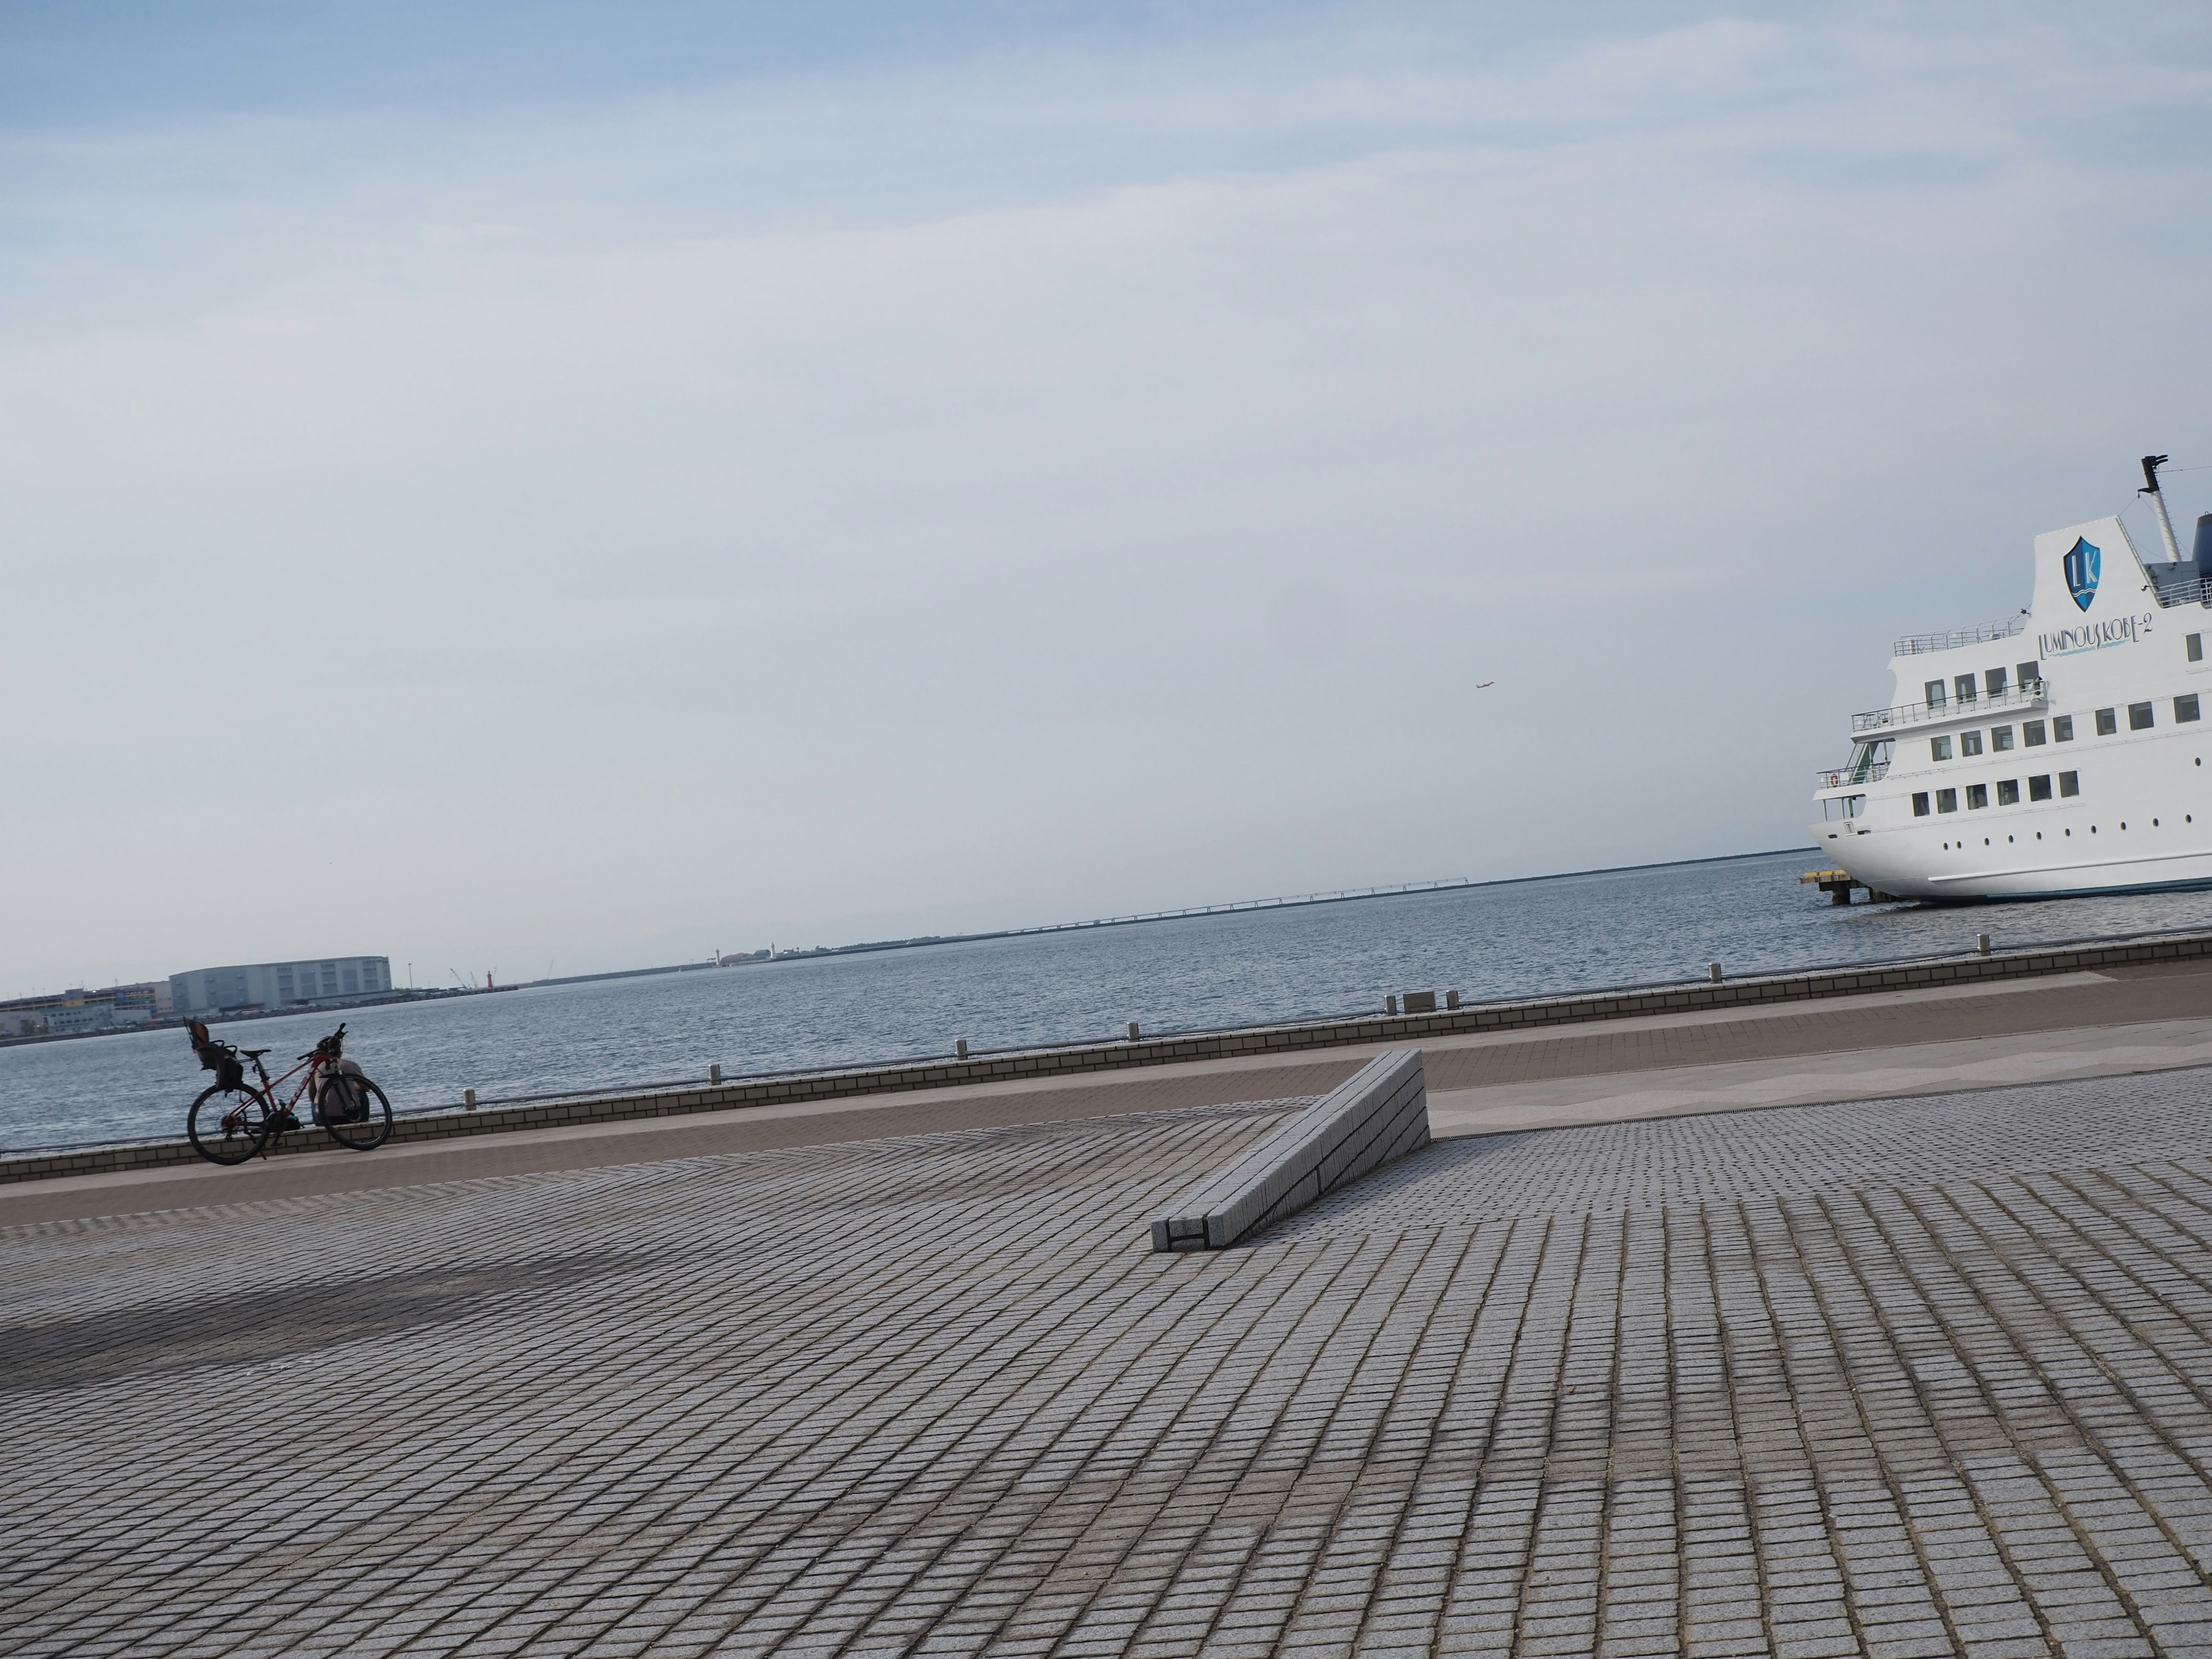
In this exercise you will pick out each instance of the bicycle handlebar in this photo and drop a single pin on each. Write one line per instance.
(330, 1048)
(333, 1045)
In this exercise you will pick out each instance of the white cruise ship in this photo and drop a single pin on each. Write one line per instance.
(2061, 751)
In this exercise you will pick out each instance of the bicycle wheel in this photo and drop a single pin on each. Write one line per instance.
(367, 1131)
(228, 1126)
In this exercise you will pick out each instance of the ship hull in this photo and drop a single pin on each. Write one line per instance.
(1958, 870)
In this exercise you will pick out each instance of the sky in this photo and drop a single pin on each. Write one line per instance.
(558, 487)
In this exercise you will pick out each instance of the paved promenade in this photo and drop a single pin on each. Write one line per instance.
(1918, 1042)
(1917, 1377)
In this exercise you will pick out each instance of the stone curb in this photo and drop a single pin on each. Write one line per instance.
(1378, 1115)
(1252, 1040)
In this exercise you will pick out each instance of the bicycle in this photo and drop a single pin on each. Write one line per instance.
(233, 1119)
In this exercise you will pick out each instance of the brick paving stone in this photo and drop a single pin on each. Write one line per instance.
(1909, 1377)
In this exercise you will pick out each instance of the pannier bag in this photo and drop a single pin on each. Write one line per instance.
(343, 1100)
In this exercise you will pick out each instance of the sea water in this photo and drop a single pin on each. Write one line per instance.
(1511, 939)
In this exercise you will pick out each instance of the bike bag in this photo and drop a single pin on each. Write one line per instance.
(340, 1098)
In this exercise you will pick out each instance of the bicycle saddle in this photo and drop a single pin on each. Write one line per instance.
(251, 1054)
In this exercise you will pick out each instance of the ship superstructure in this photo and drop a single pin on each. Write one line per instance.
(2060, 750)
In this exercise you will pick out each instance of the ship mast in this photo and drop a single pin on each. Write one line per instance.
(2151, 465)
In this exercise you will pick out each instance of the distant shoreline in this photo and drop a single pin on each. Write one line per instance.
(1241, 907)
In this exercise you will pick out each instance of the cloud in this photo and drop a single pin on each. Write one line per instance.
(1031, 484)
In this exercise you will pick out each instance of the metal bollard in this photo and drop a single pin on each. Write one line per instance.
(1132, 1031)
(960, 1049)
(714, 1073)
(1982, 944)
(468, 1100)
(1713, 972)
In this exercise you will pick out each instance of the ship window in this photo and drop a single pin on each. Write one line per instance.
(2000, 737)
(2108, 722)
(2070, 783)
(2008, 792)
(1977, 796)
(1940, 748)
(2138, 717)
(2184, 709)
(2039, 788)
(1963, 685)
(2029, 673)
(1920, 805)
(1969, 743)
(2062, 728)
(1993, 682)
(1946, 800)
(1935, 692)
(2031, 733)
(2195, 644)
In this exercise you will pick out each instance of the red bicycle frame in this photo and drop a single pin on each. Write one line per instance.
(232, 1120)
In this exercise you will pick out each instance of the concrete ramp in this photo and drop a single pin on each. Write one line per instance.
(1380, 1114)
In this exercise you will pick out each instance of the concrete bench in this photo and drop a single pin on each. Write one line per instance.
(1380, 1114)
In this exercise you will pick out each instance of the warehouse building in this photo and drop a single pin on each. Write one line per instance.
(279, 984)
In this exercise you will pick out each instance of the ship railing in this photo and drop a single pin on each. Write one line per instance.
(1914, 644)
(2025, 694)
(1849, 777)
(2196, 590)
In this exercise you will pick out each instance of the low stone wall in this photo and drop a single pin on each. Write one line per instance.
(1259, 1040)
(1379, 1114)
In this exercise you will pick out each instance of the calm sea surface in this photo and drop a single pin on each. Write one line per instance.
(1564, 933)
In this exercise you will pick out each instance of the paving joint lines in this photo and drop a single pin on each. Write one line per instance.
(1894, 1377)
(2082, 1519)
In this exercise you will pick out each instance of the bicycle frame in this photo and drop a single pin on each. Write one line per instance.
(313, 1065)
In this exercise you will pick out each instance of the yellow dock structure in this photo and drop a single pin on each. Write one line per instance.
(1837, 885)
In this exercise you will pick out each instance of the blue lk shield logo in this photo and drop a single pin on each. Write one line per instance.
(2083, 564)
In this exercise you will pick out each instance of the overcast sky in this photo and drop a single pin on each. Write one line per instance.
(581, 486)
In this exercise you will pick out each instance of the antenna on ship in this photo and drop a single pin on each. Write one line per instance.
(2151, 465)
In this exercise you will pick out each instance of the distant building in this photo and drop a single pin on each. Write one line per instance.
(279, 984)
(68, 1012)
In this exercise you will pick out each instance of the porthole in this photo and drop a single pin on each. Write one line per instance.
(2039, 835)
(2154, 824)
(2008, 841)
(1985, 841)
(2123, 824)
(2093, 829)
